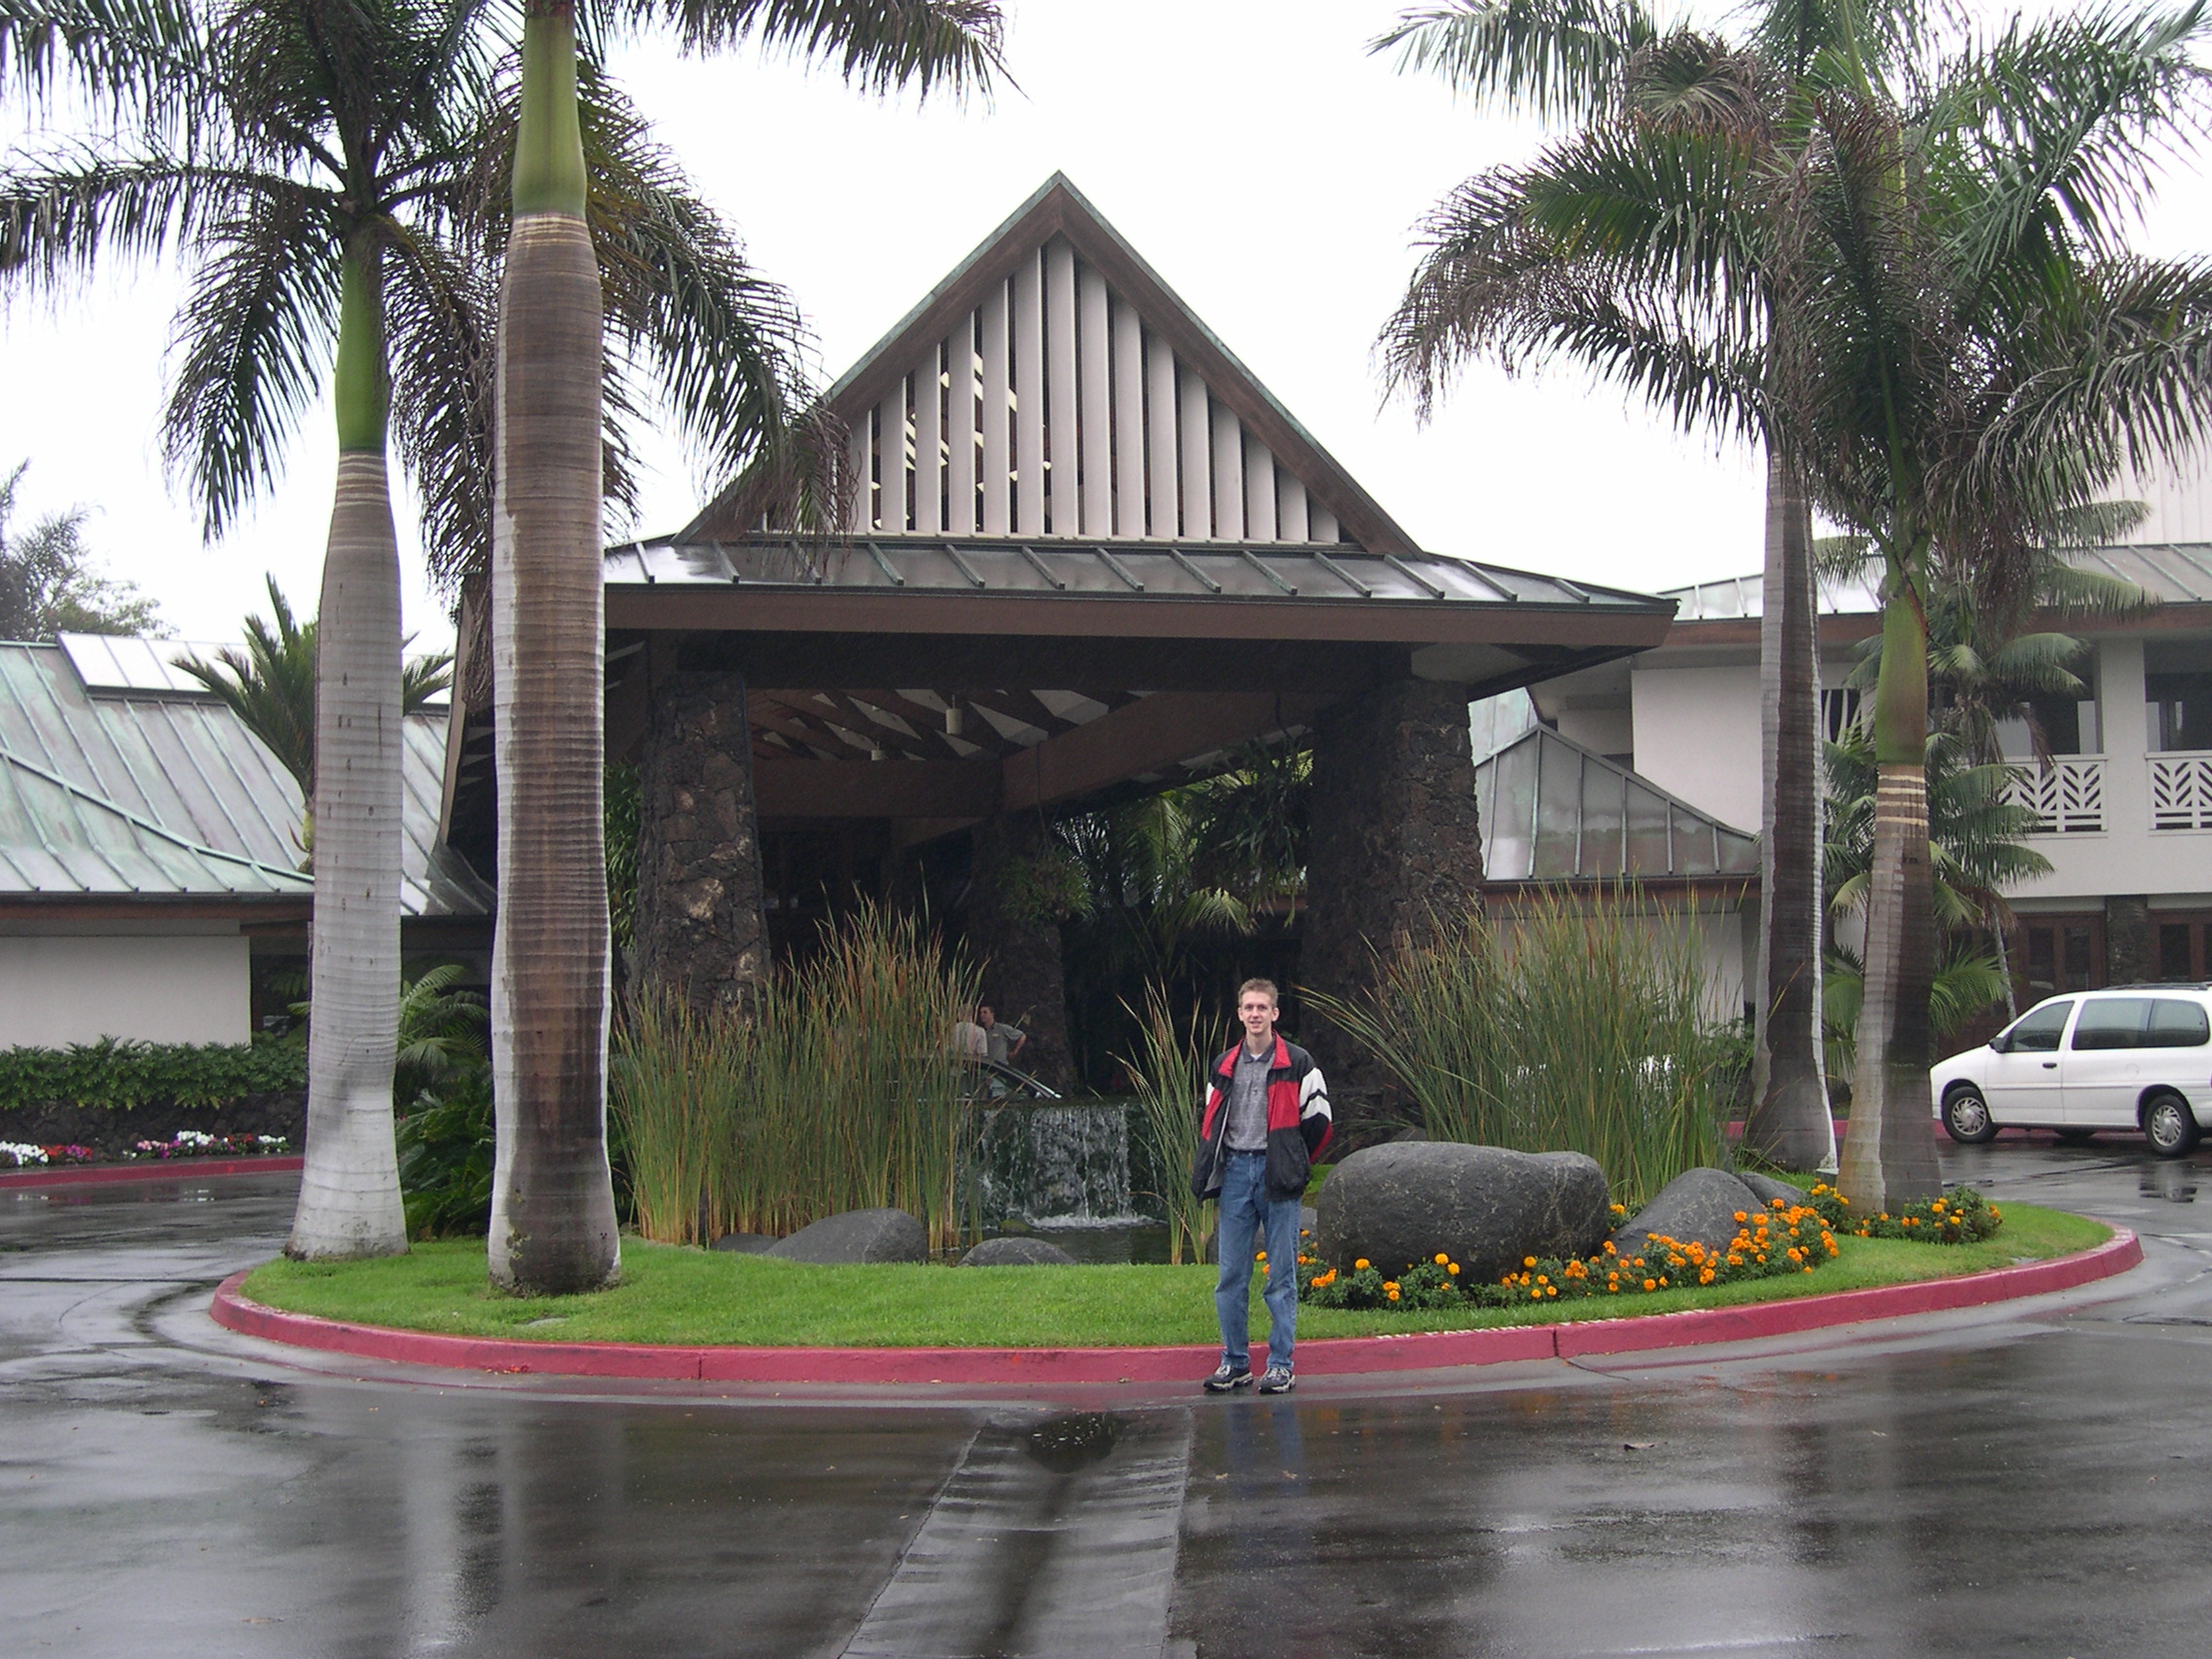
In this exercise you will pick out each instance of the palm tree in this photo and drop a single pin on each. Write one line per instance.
(1955, 351)
(319, 163)
(270, 685)
(553, 1207)
(1611, 63)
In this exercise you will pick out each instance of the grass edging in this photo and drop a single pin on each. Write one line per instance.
(251, 1303)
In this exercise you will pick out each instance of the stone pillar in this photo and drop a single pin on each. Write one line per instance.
(2131, 948)
(1395, 849)
(700, 932)
(1012, 930)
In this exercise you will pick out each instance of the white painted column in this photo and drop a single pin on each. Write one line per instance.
(1196, 490)
(856, 455)
(2124, 720)
(1162, 471)
(890, 461)
(1227, 475)
(1259, 489)
(929, 446)
(1062, 424)
(1094, 332)
(1029, 399)
(997, 414)
(1128, 421)
(1291, 520)
(960, 430)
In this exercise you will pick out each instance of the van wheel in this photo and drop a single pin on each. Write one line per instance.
(2170, 1125)
(1965, 1116)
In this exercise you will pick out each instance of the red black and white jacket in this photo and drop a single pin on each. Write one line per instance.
(1298, 1121)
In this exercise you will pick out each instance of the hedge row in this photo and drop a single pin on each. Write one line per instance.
(122, 1075)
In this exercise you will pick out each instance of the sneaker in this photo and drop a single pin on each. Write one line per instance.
(1277, 1381)
(1228, 1377)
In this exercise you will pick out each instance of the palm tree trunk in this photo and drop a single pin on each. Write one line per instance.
(553, 1230)
(1790, 1119)
(1889, 1153)
(350, 1203)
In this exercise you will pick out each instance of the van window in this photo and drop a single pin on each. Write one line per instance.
(2176, 1025)
(2112, 1022)
(2038, 1033)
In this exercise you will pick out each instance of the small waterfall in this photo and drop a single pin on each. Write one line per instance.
(1054, 1164)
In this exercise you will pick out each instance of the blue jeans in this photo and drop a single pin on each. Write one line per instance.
(1248, 1213)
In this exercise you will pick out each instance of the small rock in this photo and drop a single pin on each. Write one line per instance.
(746, 1243)
(1766, 1188)
(1485, 1207)
(857, 1235)
(1016, 1252)
(1698, 1206)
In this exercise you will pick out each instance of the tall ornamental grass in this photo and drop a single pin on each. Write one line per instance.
(1564, 1028)
(841, 1091)
(1169, 1073)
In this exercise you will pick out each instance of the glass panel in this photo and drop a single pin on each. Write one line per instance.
(2112, 1022)
(1739, 854)
(2176, 1025)
(2177, 683)
(1601, 821)
(1559, 806)
(2038, 1033)
(1647, 852)
(2173, 952)
(2077, 960)
(1693, 845)
(1506, 852)
(2042, 963)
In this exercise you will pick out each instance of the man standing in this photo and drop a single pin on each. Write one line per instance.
(1005, 1041)
(1266, 1119)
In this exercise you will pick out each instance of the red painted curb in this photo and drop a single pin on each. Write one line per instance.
(1334, 1356)
(164, 1170)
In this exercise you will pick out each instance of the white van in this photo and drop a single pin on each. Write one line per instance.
(2133, 1058)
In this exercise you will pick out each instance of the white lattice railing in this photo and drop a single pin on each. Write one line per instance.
(2181, 791)
(2067, 798)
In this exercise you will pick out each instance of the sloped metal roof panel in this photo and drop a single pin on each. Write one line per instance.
(1551, 810)
(2173, 571)
(137, 786)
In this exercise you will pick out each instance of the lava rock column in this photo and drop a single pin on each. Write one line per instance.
(699, 933)
(1395, 851)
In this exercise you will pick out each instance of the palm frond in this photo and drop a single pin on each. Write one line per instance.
(1558, 60)
(879, 46)
(270, 685)
(141, 63)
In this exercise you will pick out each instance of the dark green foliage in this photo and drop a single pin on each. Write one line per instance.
(446, 1152)
(47, 584)
(619, 800)
(121, 1076)
(1961, 1216)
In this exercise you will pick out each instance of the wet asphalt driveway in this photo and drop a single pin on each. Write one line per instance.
(2035, 1480)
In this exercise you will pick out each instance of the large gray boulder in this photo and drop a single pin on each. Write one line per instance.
(1765, 1188)
(1484, 1206)
(857, 1235)
(1016, 1252)
(1698, 1206)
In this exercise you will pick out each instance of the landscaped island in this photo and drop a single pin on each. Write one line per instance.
(696, 1297)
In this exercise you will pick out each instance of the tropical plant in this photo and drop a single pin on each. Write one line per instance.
(553, 1211)
(49, 586)
(1614, 67)
(1170, 1073)
(270, 685)
(445, 1157)
(1568, 1024)
(1956, 352)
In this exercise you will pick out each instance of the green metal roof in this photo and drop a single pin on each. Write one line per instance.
(1555, 811)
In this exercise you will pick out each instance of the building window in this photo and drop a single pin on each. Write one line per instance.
(2182, 954)
(2059, 954)
(2177, 685)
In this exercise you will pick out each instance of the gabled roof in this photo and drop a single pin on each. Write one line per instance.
(1555, 811)
(115, 780)
(1098, 391)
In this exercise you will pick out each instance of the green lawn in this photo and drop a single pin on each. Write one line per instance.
(671, 1295)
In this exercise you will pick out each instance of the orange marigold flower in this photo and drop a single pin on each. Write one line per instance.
(1453, 1268)
(1393, 1293)
(1441, 1258)
(1528, 1261)
(1360, 1266)
(1742, 1215)
(1650, 1285)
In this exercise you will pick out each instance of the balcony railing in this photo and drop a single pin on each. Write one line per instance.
(2068, 796)
(2181, 791)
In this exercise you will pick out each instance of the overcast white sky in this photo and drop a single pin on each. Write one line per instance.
(1268, 167)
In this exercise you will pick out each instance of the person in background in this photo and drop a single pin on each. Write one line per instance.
(1265, 1120)
(1005, 1041)
(970, 1040)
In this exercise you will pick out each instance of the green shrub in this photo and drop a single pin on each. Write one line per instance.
(1960, 1217)
(446, 1151)
(1169, 1071)
(1574, 1026)
(121, 1076)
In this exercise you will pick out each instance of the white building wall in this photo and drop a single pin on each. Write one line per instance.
(156, 989)
(1697, 736)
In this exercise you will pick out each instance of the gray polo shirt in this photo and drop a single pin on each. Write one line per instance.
(1247, 1127)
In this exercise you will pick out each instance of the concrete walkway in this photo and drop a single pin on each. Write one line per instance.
(2026, 1479)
